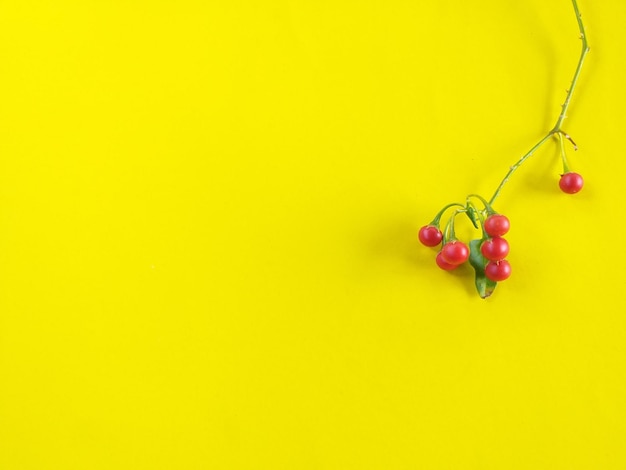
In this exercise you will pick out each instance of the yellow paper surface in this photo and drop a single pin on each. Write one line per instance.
(208, 250)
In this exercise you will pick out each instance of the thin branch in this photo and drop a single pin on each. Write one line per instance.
(564, 107)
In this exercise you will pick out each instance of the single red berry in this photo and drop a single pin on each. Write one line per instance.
(571, 183)
(498, 270)
(443, 264)
(430, 235)
(497, 225)
(495, 249)
(455, 252)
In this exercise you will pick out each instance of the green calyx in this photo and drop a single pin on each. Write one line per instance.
(484, 285)
(475, 213)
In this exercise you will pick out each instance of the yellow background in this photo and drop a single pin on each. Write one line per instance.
(208, 218)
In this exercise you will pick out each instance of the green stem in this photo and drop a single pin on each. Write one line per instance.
(448, 233)
(488, 207)
(583, 54)
(557, 127)
(517, 165)
(563, 156)
(437, 218)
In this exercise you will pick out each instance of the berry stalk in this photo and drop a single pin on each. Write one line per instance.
(556, 130)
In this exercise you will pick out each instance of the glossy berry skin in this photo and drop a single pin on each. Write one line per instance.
(571, 183)
(455, 252)
(443, 264)
(429, 235)
(495, 249)
(498, 270)
(497, 225)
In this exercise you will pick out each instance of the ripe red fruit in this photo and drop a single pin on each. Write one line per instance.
(443, 264)
(497, 225)
(430, 235)
(495, 249)
(571, 183)
(455, 252)
(498, 270)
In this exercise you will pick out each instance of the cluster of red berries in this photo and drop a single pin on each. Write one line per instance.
(454, 252)
(487, 254)
(496, 248)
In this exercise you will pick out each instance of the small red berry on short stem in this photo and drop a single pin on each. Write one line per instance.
(495, 249)
(497, 225)
(455, 252)
(498, 270)
(571, 182)
(430, 235)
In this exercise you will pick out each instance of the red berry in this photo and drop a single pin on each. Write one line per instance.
(497, 225)
(571, 183)
(443, 264)
(498, 270)
(430, 235)
(495, 249)
(455, 252)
